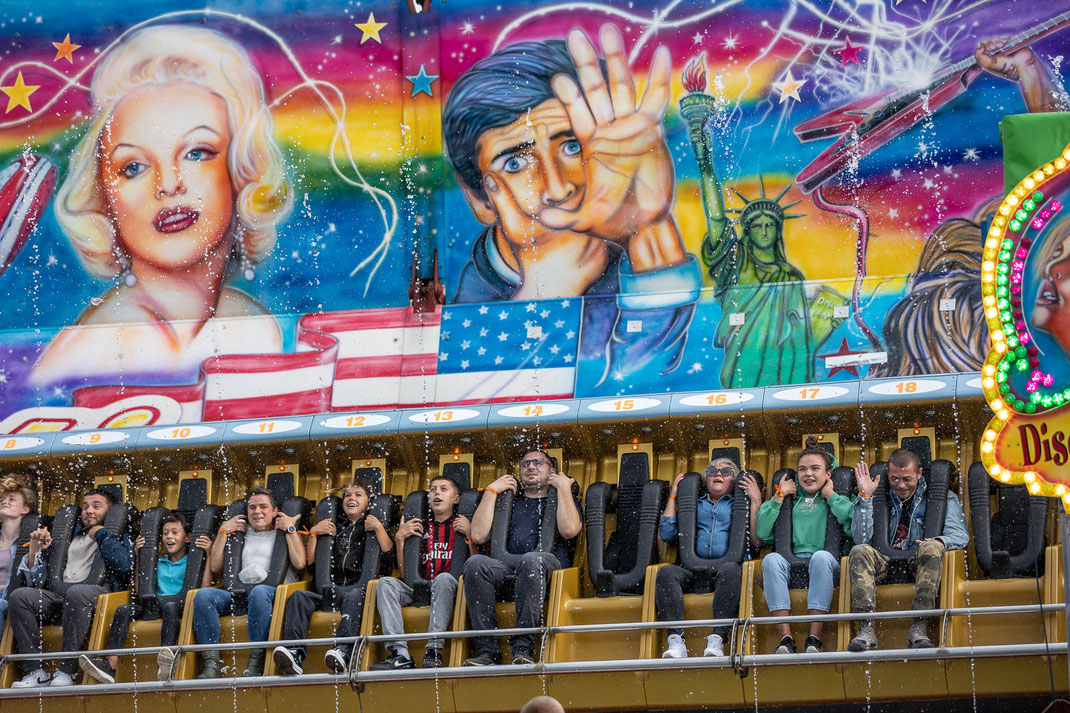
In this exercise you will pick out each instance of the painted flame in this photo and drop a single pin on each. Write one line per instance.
(694, 77)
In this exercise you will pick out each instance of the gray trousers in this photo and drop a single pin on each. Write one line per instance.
(30, 608)
(392, 593)
(483, 580)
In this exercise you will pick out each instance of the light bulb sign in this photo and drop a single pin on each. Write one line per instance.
(1025, 284)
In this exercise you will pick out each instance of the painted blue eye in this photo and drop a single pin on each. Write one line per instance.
(516, 164)
(200, 154)
(132, 169)
(571, 148)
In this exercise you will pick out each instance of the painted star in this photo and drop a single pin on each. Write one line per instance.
(483, 332)
(51, 260)
(465, 344)
(481, 351)
(922, 147)
(568, 358)
(554, 349)
(559, 324)
(65, 49)
(928, 183)
(893, 212)
(484, 309)
(848, 53)
(730, 42)
(697, 39)
(844, 350)
(3, 377)
(443, 356)
(530, 306)
(466, 323)
(370, 29)
(970, 154)
(467, 28)
(570, 334)
(18, 94)
(789, 87)
(545, 313)
(498, 360)
(422, 82)
(464, 364)
(503, 336)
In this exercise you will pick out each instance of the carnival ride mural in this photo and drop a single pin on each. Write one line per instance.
(230, 212)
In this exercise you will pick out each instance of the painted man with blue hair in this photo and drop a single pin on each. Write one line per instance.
(575, 183)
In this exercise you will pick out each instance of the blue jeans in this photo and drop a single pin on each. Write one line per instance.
(3, 612)
(210, 604)
(824, 569)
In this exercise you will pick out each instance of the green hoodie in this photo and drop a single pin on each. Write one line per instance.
(809, 518)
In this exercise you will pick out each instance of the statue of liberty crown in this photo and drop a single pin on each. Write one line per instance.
(763, 204)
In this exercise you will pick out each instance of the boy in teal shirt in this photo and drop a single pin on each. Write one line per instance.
(809, 520)
(170, 573)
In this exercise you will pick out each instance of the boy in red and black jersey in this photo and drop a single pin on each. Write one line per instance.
(439, 533)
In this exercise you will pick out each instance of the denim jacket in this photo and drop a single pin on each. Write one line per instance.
(713, 521)
(117, 551)
(955, 535)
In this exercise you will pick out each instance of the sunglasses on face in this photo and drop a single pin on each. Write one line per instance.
(727, 472)
(537, 462)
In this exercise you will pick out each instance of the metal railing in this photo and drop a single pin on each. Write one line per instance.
(738, 661)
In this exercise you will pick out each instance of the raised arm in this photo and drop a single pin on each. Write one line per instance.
(294, 544)
(568, 517)
(233, 525)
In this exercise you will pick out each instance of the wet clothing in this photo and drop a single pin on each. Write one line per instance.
(526, 526)
(713, 521)
(169, 578)
(867, 567)
(33, 606)
(391, 594)
(170, 575)
(809, 520)
(955, 535)
(436, 547)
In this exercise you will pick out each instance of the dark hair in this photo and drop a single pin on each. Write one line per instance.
(106, 494)
(368, 485)
(812, 449)
(549, 458)
(176, 516)
(495, 92)
(904, 458)
(456, 485)
(261, 490)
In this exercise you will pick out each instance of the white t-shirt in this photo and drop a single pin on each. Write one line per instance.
(256, 558)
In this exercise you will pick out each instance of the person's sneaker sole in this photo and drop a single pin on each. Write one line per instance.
(523, 660)
(335, 663)
(285, 663)
(93, 671)
(860, 645)
(431, 662)
(165, 661)
(921, 644)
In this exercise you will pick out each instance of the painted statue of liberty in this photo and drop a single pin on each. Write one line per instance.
(781, 327)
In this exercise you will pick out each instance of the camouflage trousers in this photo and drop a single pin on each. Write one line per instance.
(867, 567)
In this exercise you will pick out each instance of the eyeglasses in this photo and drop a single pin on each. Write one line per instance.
(537, 462)
(726, 471)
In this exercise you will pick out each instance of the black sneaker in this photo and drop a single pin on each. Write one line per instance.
(432, 659)
(787, 646)
(97, 668)
(286, 662)
(484, 658)
(523, 656)
(813, 645)
(393, 662)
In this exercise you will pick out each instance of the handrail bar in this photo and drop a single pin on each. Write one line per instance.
(549, 630)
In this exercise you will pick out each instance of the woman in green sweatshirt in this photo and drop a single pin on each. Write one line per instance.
(809, 519)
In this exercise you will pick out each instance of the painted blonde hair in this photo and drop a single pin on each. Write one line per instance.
(168, 53)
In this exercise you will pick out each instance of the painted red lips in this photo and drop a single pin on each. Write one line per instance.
(174, 220)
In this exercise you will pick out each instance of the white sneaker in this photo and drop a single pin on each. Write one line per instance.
(33, 679)
(714, 646)
(336, 661)
(165, 660)
(677, 649)
(61, 679)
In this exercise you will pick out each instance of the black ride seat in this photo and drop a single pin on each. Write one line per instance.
(416, 506)
(687, 495)
(1009, 543)
(205, 522)
(385, 508)
(619, 565)
(119, 518)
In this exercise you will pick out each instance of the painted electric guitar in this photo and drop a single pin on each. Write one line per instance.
(25, 188)
(867, 124)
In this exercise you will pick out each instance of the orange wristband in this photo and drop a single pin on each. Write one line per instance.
(224, 531)
(491, 489)
(672, 497)
(863, 495)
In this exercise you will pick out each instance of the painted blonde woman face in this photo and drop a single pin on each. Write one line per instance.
(1051, 312)
(164, 172)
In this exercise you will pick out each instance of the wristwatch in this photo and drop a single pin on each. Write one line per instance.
(291, 530)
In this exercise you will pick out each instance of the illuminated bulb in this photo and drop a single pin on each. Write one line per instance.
(989, 369)
(1004, 415)
(988, 382)
(1013, 198)
(1060, 490)
(991, 312)
(1005, 209)
(1049, 169)
(988, 266)
(986, 447)
(1034, 488)
(1060, 163)
(1029, 183)
(1005, 477)
(1030, 476)
(1001, 347)
(997, 335)
(997, 405)
(1038, 175)
(990, 435)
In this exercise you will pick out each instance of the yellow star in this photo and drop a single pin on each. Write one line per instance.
(789, 87)
(65, 49)
(370, 29)
(19, 94)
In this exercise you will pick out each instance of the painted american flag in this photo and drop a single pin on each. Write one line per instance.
(508, 351)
